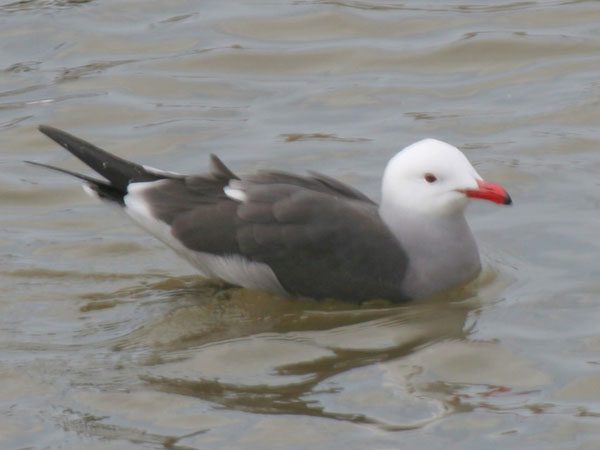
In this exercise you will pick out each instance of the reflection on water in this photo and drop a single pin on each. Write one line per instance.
(256, 352)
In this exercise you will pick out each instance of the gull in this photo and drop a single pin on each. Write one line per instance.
(309, 236)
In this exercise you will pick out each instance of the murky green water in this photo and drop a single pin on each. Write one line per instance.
(107, 341)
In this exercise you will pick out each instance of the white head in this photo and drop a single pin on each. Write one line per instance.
(431, 177)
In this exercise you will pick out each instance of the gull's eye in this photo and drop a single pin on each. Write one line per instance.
(430, 178)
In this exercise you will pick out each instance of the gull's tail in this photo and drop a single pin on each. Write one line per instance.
(119, 172)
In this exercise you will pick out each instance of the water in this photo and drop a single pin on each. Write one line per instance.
(107, 341)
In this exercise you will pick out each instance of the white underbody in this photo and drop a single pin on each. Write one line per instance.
(234, 269)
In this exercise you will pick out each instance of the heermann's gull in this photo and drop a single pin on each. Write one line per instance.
(311, 236)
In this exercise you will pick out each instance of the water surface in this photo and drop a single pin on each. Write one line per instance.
(108, 341)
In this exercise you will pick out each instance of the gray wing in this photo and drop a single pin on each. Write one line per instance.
(320, 245)
(320, 237)
(196, 208)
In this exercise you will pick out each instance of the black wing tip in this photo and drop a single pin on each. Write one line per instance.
(62, 138)
(115, 169)
(103, 189)
(50, 131)
(68, 172)
(39, 164)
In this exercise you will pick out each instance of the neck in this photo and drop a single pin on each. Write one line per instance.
(441, 249)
